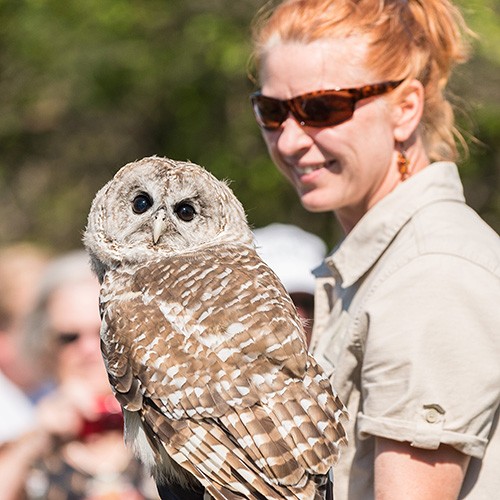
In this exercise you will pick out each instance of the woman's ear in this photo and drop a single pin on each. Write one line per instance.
(408, 110)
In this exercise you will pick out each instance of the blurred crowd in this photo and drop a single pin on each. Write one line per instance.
(61, 429)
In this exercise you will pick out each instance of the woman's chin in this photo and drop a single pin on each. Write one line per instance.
(315, 206)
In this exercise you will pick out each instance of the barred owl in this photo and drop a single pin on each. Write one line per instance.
(203, 346)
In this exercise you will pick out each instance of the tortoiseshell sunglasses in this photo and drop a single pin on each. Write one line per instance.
(322, 108)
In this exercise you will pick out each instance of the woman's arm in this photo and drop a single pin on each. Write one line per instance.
(404, 471)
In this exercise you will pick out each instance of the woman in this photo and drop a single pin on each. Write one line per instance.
(406, 319)
(76, 450)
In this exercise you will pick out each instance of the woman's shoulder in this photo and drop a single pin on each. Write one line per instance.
(455, 229)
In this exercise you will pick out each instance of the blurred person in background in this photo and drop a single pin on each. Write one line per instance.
(21, 384)
(76, 450)
(292, 254)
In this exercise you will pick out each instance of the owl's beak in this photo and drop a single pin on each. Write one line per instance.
(159, 224)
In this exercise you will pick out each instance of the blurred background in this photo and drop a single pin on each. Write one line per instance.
(87, 86)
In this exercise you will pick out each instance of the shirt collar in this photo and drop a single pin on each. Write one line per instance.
(362, 247)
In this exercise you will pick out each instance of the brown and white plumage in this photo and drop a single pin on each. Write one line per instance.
(203, 346)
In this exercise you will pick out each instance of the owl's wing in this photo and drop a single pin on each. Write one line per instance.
(211, 351)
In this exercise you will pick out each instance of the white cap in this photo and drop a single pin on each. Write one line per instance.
(291, 253)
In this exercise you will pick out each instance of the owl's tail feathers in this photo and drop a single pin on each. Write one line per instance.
(256, 434)
(203, 449)
(227, 472)
(215, 458)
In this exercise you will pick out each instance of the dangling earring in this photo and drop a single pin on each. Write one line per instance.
(403, 164)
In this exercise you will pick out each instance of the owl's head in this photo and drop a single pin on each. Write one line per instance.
(161, 207)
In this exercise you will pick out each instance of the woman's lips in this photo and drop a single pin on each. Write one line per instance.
(306, 172)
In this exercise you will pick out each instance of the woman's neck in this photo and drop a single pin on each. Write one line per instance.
(417, 159)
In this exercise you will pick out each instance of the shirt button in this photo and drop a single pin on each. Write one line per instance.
(432, 416)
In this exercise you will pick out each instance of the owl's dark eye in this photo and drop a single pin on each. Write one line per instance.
(185, 211)
(142, 202)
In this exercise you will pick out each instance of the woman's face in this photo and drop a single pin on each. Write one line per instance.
(345, 168)
(74, 319)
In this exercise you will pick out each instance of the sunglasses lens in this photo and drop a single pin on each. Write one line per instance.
(67, 338)
(324, 110)
(270, 113)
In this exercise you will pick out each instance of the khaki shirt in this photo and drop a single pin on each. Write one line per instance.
(407, 325)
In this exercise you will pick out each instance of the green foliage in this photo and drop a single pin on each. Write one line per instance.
(88, 86)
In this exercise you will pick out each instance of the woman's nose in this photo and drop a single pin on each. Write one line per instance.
(293, 138)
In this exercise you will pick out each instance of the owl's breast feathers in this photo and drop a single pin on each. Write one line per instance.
(209, 350)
